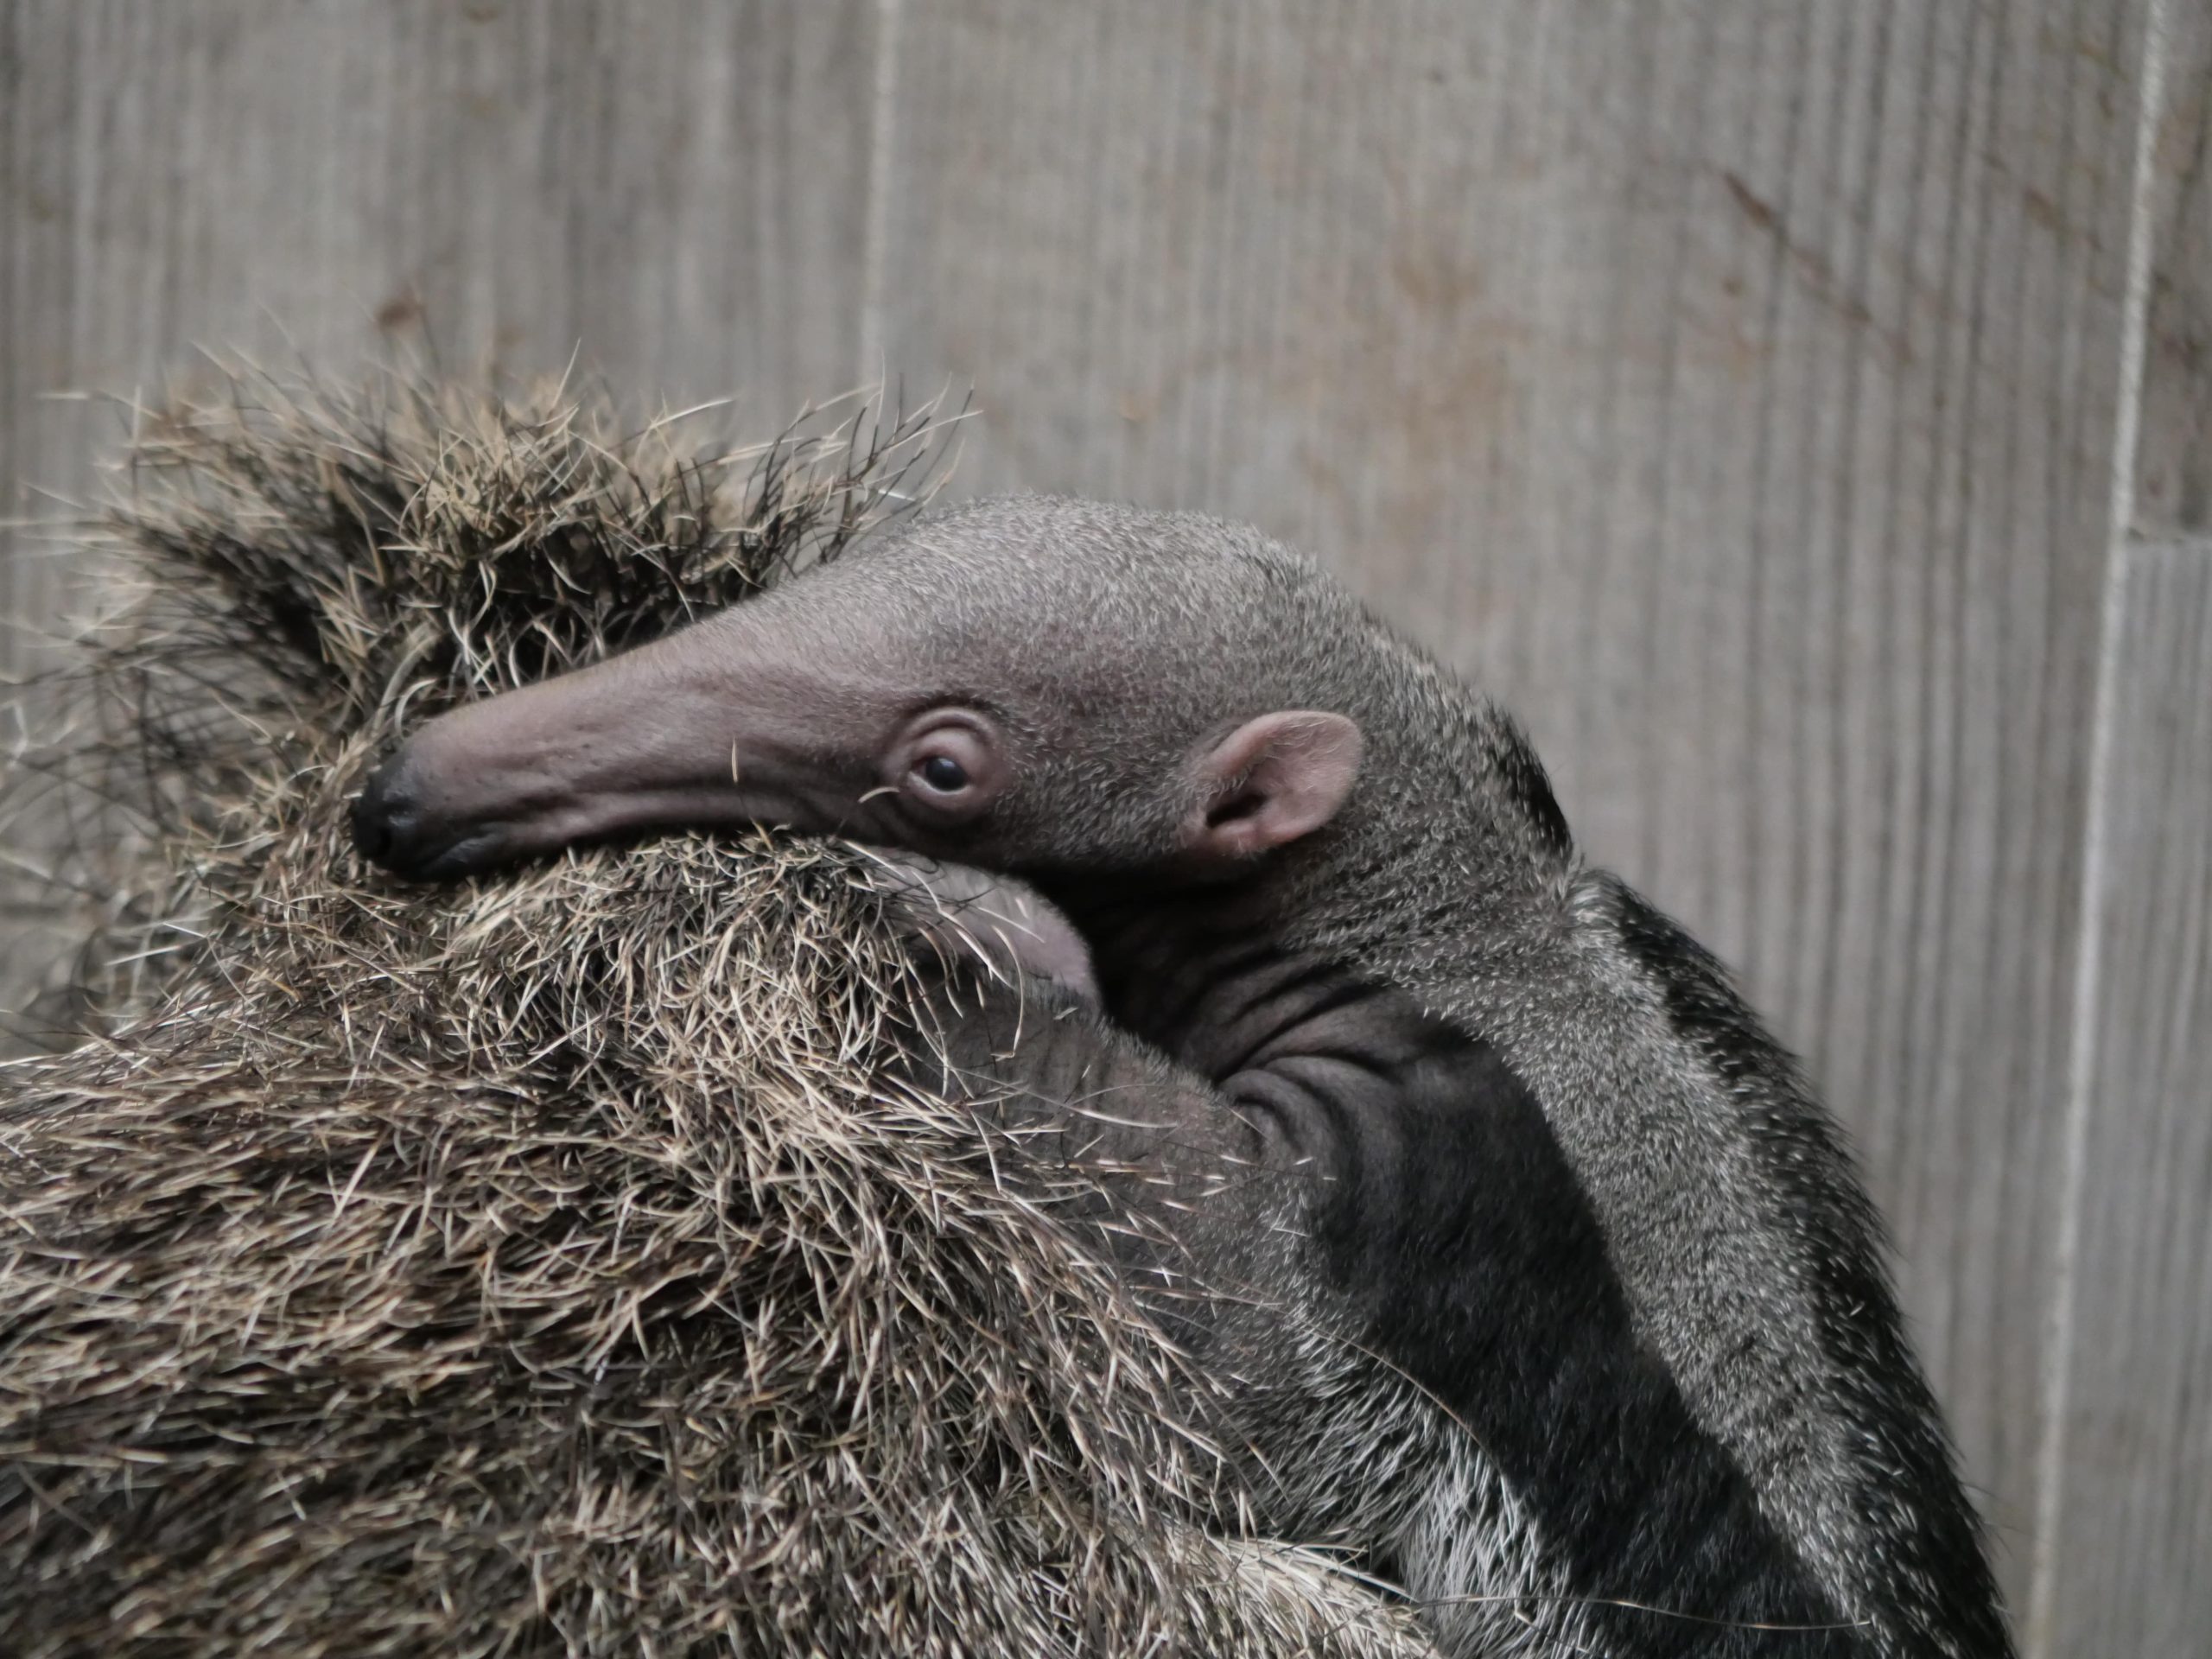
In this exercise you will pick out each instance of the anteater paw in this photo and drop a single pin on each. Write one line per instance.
(965, 913)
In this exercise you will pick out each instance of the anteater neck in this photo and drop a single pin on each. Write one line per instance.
(1205, 972)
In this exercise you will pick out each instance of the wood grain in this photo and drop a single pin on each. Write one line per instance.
(673, 194)
(2129, 1460)
(2128, 1563)
(1730, 386)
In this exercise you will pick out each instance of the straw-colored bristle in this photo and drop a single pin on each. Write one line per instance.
(535, 1265)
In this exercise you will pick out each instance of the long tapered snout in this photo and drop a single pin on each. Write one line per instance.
(711, 727)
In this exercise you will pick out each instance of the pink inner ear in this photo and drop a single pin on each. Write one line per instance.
(1273, 779)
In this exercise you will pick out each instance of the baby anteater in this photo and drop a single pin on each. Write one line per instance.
(1544, 1280)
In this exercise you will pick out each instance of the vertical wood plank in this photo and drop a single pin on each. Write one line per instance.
(673, 194)
(1732, 387)
(2128, 1460)
(2173, 474)
(2133, 1499)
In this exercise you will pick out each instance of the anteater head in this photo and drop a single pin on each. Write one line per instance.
(1031, 684)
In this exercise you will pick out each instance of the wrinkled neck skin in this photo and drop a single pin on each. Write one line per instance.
(1223, 974)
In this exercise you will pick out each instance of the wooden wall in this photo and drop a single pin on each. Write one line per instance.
(1801, 413)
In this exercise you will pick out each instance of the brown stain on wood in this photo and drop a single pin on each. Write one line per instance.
(403, 310)
(1814, 269)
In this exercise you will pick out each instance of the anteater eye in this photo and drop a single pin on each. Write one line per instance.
(947, 764)
(944, 774)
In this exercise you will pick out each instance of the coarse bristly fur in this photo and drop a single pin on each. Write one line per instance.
(541, 1265)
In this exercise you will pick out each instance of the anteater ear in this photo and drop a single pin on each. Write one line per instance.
(1270, 781)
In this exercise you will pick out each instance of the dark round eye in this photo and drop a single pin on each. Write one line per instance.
(944, 774)
(948, 765)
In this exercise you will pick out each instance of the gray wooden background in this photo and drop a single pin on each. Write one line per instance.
(1802, 413)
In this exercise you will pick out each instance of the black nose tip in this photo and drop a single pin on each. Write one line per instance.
(386, 821)
(396, 826)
